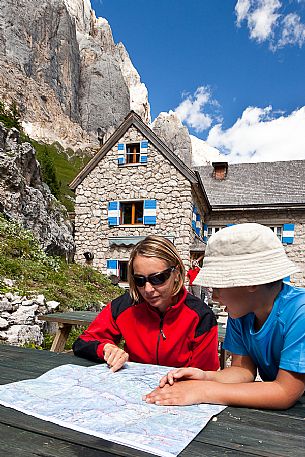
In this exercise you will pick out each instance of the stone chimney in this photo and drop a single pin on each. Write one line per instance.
(220, 170)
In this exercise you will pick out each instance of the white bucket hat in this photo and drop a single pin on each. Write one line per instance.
(244, 255)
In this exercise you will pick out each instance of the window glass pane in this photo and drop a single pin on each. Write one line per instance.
(133, 153)
(212, 230)
(138, 212)
(126, 211)
(277, 230)
(123, 270)
(131, 213)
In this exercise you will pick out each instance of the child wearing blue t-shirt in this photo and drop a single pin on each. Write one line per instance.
(245, 265)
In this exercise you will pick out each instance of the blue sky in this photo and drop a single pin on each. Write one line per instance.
(234, 71)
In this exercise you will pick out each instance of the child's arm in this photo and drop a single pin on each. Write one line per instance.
(242, 370)
(225, 389)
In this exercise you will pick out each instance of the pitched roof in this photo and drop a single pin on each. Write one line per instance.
(256, 185)
(134, 119)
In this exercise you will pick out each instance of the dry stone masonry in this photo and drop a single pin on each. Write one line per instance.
(18, 318)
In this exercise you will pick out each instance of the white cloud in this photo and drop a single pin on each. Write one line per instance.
(261, 17)
(261, 135)
(242, 9)
(293, 31)
(191, 109)
(267, 21)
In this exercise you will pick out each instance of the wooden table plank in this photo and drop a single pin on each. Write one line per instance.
(17, 442)
(73, 317)
(257, 432)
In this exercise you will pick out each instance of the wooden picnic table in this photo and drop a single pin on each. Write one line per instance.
(237, 432)
(66, 320)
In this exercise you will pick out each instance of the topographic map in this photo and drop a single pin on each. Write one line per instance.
(109, 405)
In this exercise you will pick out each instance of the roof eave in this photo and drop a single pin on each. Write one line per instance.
(260, 207)
(203, 190)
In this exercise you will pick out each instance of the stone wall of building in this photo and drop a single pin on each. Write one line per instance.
(158, 180)
(294, 251)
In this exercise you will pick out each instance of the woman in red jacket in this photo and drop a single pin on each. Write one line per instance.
(160, 322)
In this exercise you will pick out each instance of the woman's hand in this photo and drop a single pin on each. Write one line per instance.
(114, 356)
(182, 373)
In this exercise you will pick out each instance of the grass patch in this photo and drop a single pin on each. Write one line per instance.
(59, 168)
(34, 272)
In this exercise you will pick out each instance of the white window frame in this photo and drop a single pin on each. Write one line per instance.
(278, 230)
(212, 230)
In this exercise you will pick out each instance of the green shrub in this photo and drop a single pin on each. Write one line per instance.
(10, 116)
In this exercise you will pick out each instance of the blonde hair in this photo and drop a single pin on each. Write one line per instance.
(161, 248)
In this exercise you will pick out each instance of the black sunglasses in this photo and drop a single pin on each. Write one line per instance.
(156, 279)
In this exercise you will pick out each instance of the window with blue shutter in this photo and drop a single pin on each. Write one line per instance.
(121, 154)
(205, 232)
(198, 224)
(132, 213)
(114, 213)
(288, 233)
(132, 153)
(150, 212)
(112, 267)
(194, 219)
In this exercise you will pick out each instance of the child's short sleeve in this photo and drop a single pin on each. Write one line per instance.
(234, 341)
(293, 352)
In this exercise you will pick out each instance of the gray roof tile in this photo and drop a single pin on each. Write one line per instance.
(256, 184)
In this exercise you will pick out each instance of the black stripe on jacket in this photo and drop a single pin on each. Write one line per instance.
(207, 318)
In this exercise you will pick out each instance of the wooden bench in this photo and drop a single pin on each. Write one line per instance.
(65, 322)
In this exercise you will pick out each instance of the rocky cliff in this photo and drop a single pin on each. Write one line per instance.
(170, 129)
(73, 84)
(191, 150)
(25, 198)
(61, 65)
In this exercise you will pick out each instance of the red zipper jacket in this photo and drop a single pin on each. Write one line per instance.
(184, 336)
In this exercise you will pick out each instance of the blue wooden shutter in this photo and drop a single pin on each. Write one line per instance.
(121, 153)
(113, 213)
(143, 151)
(112, 267)
(205, 232)
(288, 233)
(194, 218)
(150, 212)
(198, 224)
